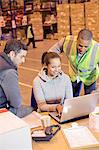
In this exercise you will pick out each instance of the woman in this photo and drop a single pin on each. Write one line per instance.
(51, 86)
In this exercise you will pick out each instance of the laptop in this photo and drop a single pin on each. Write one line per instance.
(76, 108)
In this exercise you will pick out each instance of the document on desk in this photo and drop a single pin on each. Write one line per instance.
(33, 120)
(80, 137)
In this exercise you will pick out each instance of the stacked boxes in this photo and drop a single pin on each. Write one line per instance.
(64, 1)
(20, 3)
(5, 4)
(72, 1)
(71, 18)
(76, 1)
(36, 5)
(36, 20)
(94, 0)
(77, 18)
(81, 1)
(21, 35)
(63, 20)
(92, 18)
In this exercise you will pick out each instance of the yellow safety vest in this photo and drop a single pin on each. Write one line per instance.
(86, 68)
(29, 34)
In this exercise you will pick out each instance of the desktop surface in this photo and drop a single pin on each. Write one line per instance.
(58, 142)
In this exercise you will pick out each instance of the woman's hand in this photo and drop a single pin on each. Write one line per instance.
(59, 109)
(94, 91)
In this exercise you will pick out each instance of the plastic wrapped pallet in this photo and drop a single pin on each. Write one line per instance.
(21, 34)
(20, 3)
(80, 1)
(92, 18)
(63, 20)
(72, 1)
(36, 19)
(93, 0)
(77, 21)
(64, 1)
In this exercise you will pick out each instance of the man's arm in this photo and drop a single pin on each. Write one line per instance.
(58, 47)
(11, 88)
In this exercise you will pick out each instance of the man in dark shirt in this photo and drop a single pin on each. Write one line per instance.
(14, 54)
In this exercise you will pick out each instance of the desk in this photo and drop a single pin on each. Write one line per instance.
(58, 142)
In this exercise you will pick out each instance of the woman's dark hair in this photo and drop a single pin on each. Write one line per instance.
(47, 56)
(14, 45)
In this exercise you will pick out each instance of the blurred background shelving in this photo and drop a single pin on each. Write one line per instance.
(51, 19)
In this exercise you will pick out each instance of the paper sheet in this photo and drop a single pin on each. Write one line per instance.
(96, 109)
(33, 120)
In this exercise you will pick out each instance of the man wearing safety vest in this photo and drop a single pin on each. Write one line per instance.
(30, 36)
(83, 55)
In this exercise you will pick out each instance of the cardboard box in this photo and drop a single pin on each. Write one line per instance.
(63, 23)
(77, 21)
(14, 133)
(36, 20)
(92, 18)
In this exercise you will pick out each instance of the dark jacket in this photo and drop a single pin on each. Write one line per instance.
(9, 89)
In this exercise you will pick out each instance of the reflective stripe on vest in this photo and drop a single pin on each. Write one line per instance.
(29, 34)
(69, 45)
(87, 73)
(68, 42)
(93, 56)
(92, 59)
